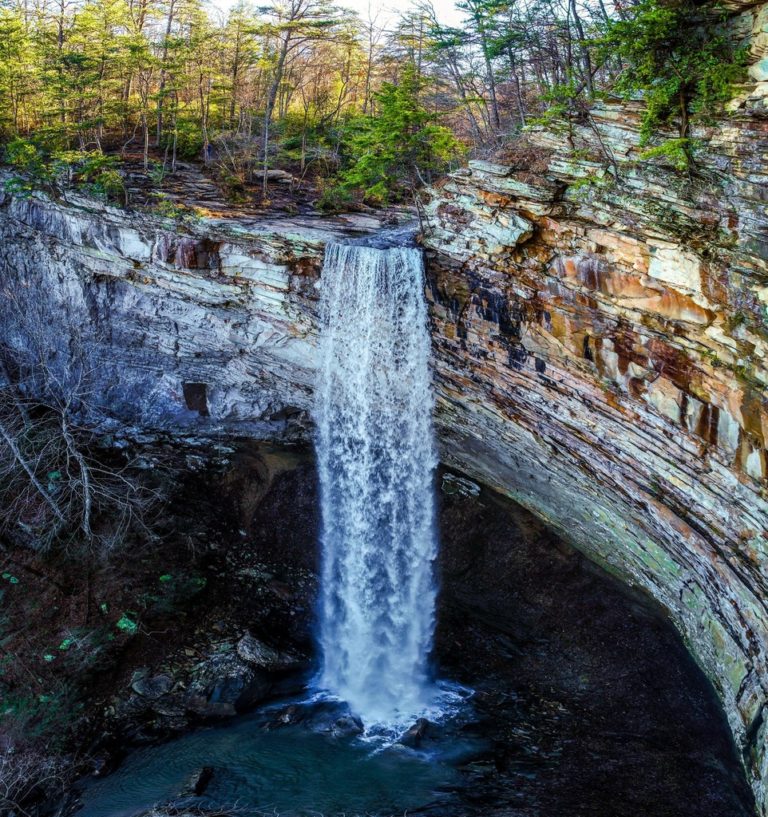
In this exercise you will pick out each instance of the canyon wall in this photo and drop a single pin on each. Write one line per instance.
(600, 336)
(204, 328)
(601, 340)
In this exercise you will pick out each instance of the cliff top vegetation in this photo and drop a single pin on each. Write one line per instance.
(304, 96)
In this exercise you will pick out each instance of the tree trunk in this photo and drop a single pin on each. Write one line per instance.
(145, 130)
(270, 106)
(496, 120)
(161, 86)
(204, 117)
(583, 49)
(518, 89)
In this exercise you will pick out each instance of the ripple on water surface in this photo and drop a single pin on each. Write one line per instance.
(288, 771)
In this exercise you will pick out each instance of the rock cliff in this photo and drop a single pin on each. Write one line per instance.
(202, 328)
(600, 336)
(601, 341)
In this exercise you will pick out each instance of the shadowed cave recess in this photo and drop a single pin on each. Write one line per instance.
(584, 700)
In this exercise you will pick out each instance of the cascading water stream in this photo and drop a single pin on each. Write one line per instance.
(376, 456)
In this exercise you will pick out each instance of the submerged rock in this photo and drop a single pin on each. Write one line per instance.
(198, 782)
(347, 726)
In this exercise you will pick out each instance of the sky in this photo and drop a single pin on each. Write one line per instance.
(447, 13)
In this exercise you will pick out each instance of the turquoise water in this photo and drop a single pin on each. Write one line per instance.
(289, 770)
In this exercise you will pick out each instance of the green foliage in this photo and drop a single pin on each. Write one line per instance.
(175, 592)
(187, 137)
(25, 156)
(400, 146)
(127, 624)
(335, 198)
(166, 207)
(305, 87)
(156, 172)
(677, 152)
(678, 61)
(93, 172)
(588, 184)
(559, 100)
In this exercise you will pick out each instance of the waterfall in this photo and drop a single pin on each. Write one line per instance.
(376, 457)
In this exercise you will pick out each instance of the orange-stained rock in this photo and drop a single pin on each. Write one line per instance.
(626, 402)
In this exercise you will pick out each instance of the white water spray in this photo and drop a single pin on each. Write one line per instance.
(376, 456)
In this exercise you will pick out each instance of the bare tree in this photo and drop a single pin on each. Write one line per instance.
(28, 776)
(57, 484)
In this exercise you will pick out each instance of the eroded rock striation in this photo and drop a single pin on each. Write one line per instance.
(601, 342)
(203, 328)
(600, 336)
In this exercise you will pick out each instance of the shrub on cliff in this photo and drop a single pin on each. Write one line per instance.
(678, 60)
(44, 168)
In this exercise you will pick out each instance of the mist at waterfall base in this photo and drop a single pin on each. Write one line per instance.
(376, 459)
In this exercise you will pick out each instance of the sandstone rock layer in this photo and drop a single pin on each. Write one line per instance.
(601, 342)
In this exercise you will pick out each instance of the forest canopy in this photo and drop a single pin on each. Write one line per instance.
(360, 109)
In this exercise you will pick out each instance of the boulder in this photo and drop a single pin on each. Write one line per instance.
(257, 653)
(415, 734)
(152, 688)
(224, 685)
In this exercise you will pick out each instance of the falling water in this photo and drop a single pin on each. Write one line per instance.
(376, 457)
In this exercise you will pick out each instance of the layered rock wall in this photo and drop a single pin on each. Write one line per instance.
(203, 328)
(601, 340)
